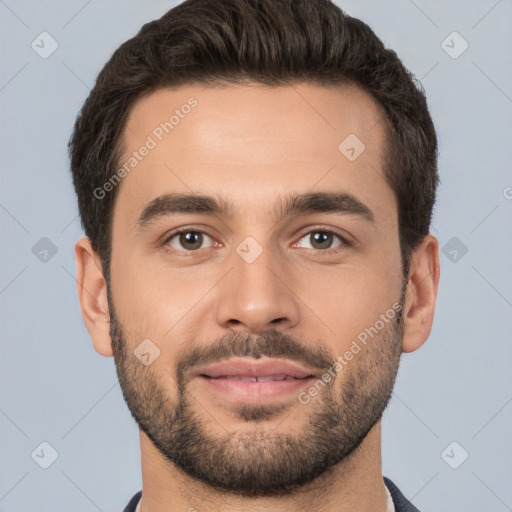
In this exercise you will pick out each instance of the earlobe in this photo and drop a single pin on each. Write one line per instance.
(92, 294)
(421, 294)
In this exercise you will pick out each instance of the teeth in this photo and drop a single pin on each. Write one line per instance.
(243, 378)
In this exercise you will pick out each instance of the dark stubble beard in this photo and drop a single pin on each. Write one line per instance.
(252, 463)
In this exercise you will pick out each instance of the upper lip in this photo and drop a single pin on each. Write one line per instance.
(265, 368)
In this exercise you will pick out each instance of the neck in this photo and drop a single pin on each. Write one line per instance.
(354, 484)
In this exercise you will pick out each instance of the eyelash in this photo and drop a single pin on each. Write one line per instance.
(344, 242)
(332, 250)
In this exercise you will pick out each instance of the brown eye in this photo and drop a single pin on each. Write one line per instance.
(321, 240)
(188, 240)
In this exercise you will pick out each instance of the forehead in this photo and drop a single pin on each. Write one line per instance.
(250, 143)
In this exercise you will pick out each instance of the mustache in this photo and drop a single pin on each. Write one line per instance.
(273, 344)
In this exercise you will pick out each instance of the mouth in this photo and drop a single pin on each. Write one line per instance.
(245, 380)
(256, 378)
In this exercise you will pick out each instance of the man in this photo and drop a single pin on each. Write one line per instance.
(256, 181)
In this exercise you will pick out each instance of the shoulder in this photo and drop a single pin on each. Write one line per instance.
(402, 504)
(132, 505)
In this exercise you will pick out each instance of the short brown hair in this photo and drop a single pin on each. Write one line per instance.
(273, 42)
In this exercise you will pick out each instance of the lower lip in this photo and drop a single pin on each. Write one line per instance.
(255, 391)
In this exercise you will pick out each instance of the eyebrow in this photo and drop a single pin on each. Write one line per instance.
(291, 205)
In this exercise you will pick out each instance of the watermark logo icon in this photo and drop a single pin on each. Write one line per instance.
(44, 250)
(454, 455)
(146, 352)
(454, 45)
(44, 455)
(351, 147)
(44, 45)
(454, 249)
(249, 249)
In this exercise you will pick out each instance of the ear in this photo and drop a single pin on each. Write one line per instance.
(92, 294)
(421, 294)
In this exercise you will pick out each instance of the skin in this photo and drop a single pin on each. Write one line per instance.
(253, 145)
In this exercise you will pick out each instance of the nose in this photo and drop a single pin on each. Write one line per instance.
(255, 297)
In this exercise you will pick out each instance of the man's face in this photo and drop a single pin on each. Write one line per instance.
(289, 255)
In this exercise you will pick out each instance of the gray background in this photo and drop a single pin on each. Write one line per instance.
(55, 388)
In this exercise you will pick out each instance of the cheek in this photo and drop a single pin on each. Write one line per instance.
(138, 301)
(350, 300)
(162, 305)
